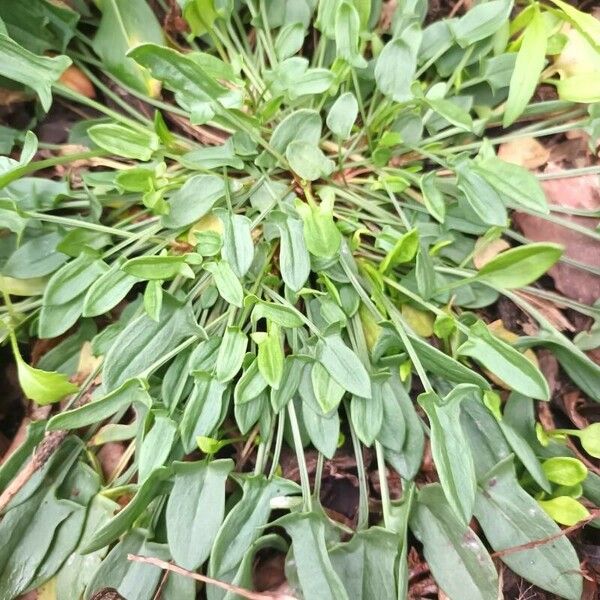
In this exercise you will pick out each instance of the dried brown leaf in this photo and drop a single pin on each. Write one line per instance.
(526, 152)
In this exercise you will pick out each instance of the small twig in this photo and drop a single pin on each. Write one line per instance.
(535, 543)
(456, 8)
(44, 451)
(161, 564)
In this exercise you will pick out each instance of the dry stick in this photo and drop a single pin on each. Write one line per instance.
(535, 543)
(161, 564)
(44, 451)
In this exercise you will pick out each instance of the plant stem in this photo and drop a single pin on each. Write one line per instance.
(304, 481)
(383, 486)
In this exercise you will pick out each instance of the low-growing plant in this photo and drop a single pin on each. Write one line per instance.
(267, 234)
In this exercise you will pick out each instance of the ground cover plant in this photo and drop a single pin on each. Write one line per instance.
(253, 299)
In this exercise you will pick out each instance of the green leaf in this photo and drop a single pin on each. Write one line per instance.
(395, 69)
(244, 522)
(290, 380)
(458, 559)
(203, 410)
(453, 113)
(193, 200)
(249, 413)
(347, 29)
(403, 251)
(302, 125)
(523, 449)
(323, 430)
(311, 82)
(68, 284)
(144, 340)
(366, 564)
(270, 354)
(342, 114)
(156, 446)
(565, 510)
(212, 157)
(155, 268)
(284, 316)
(78, 569)
(153, 295)
(327, 392)
(435, 360)
(229, 286)
(316, 574)
(528, 68)
(231, 354)
(585, 23)
(308, 160)
(250, 384)
(510, 517)
(367, 417)
(147, 491)
(125, 24)
(194, 88)
(322, 237)
(238, 248)
(96, 411)
(294, 260)
(484, 199)
(40, 386)
(195, 510)
(136, 580)
(343, 365)
(209, 242)
(35, 258)
(289, 40)
(481, 21)
(107, 290)
(393, 427)
(36, 72)
(565, 470)
(39, 25)
(517, 185)
(42, 531)
(519, 266)
(123, 141)
(408, 460)
(590, 439)
(449, 447)
(512, 367)
(579, 88)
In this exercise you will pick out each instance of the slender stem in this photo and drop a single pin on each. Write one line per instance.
(304, 481)
(383, 486)
(278, 444)
(318, 477)
(363, 493)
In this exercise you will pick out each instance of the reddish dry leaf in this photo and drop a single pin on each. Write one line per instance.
(76, 80)
(572, 403)
(575, 192)
(551, 311)
(109, 457)
(485, 251)
(549, 368)
(526, 152)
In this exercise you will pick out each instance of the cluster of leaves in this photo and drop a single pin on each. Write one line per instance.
(305, 276)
